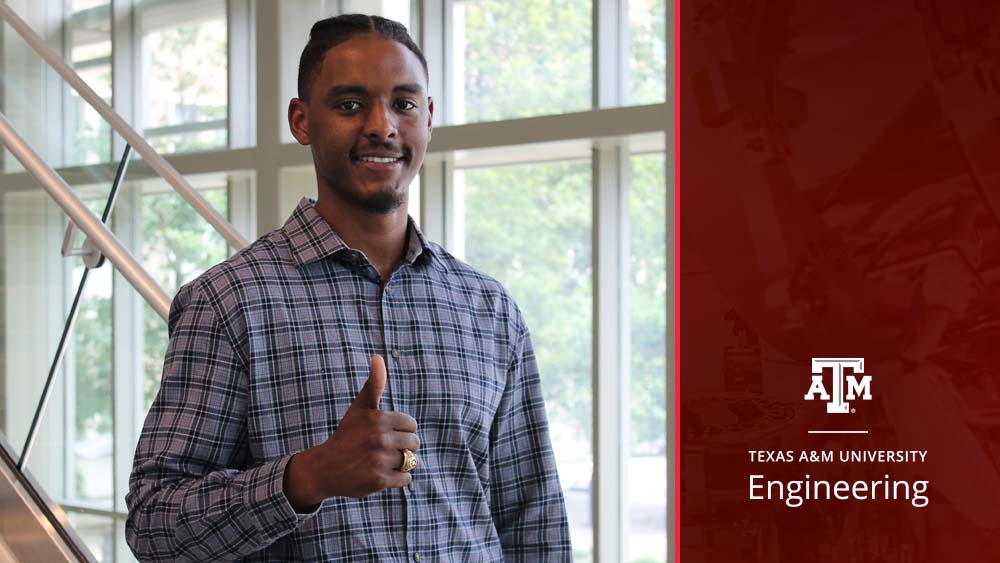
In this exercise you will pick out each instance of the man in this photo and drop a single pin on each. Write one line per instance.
(260, 445)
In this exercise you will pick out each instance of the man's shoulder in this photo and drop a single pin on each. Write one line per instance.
(473, 283)
(459, 272)
(265, 261)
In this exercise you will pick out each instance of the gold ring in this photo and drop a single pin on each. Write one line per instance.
(409, 461)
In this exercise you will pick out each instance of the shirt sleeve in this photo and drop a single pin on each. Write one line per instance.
(191, 498)
(526, 501)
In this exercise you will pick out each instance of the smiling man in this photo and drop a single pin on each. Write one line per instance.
(280, 433)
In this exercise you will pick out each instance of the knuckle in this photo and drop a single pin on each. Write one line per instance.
(384, 441)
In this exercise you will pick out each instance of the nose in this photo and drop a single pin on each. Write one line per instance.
(380, 125)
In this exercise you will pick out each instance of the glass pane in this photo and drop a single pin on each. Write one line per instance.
(647, 466)
(177, 246)
(519, 58)
(89, 391)
(35, 304)
(42, 107)
(80, 5)
(530, 227)
(88, 33)
(647, 52)
(97, 533)
(184, 75)
(24, 79)
(71, 456)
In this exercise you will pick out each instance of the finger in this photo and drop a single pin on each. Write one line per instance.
(405, 441)
(398, 480)
(371, 393)
(403, 422)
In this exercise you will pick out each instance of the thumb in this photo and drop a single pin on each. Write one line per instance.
(371, 393)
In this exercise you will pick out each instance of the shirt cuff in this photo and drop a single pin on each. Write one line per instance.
(264, 493)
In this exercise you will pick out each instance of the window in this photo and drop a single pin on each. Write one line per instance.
(647, 52)
(88, 44)
(508, 62)
(184, 75)
(647, 444)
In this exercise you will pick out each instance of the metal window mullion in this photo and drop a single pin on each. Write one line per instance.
(416, 26)
(127, 372)
(435, 175)
(240, 204)
(241, 72)
(610, 328)
(433, 40)
(65, 98)
(128, 377)
(267, 38)
(55, 122)
(610, 22)
(67, 400)
(125, 86)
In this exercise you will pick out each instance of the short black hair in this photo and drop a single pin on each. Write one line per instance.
(327, 34)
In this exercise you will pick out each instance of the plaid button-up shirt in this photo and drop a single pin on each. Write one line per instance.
(268, 350)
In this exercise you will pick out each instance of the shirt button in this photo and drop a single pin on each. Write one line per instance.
(411, 486)
(416, 557)
(395, 353)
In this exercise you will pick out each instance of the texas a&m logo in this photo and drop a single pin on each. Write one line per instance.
(845, 387)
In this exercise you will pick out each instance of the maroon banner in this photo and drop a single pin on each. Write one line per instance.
(839, 280)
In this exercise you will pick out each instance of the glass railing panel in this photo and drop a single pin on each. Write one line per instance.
(53, 118)
(87, 45)
(34, 304)
(70, 456)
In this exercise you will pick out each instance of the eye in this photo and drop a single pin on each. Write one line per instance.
(348, 105)
(405, 105)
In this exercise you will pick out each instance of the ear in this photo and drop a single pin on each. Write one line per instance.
(298, 121)
(430, 114)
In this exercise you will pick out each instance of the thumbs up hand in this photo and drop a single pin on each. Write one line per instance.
(361, 457)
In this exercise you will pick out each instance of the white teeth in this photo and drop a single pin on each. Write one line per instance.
(381, 159)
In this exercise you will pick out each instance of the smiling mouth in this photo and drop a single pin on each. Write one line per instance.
(379, 159)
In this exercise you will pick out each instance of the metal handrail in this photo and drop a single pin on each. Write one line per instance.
(84, 218)
(139, 144)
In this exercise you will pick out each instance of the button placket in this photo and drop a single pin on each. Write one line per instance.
(390, 340)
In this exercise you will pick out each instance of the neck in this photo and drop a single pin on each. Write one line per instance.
(380, 236)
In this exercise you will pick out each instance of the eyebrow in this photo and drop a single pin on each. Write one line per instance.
(409, 88)
(361, 90)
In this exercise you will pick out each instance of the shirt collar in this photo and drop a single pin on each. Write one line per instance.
(312, 239)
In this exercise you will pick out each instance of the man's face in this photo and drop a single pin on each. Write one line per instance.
(368, 121)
